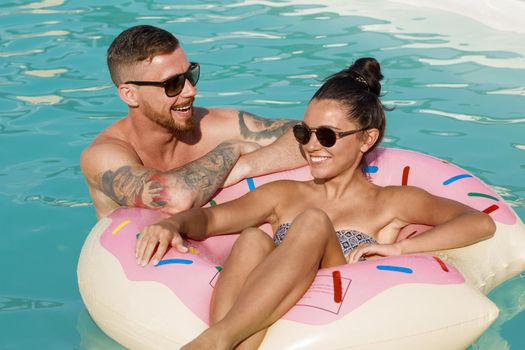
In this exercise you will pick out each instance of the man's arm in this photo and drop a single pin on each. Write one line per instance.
(280, 152)
(262, 130)
(283, 154)
(117, 178)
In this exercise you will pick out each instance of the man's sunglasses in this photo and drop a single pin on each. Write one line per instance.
(326, 136)
(174, 85)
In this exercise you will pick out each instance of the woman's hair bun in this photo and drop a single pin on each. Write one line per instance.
(367, 71)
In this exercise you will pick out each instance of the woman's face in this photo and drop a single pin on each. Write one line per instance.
(345, 155)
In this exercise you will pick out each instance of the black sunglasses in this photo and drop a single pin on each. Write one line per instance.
(326, 136)
(174, 85)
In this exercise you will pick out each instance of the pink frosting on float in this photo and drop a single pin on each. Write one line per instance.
(192, 276)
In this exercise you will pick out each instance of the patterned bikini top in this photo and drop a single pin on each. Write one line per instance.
(349, 239)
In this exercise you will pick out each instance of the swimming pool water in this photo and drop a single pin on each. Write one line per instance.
(458, 87)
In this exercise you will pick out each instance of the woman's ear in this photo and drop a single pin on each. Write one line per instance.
(370, 137)
(128, 94)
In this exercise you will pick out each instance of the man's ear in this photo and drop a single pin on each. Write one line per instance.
(128, 94)
(370, 137)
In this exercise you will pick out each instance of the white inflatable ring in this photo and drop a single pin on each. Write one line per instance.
(435, 301)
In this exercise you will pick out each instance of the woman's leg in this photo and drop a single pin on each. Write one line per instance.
(252, 247)
(278, 282)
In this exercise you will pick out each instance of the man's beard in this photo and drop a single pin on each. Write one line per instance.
(167, 122)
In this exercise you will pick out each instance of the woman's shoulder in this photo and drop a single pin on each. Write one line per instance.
(397, 193)
(285, 185)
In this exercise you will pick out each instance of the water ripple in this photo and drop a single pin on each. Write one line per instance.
(274, 102)
(36, 100)
(47, 73)
(451, 86)
(44, 34)
(472, 118)
(56, 202)
(20, 53)
(399, 102)
(478, 59)
(92, 88)
(236, 35)
(12, 304)
(43, 4)
(515, 92)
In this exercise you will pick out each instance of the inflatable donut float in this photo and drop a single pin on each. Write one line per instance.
(422, 301)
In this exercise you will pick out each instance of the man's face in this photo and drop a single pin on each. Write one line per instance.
(173, 113)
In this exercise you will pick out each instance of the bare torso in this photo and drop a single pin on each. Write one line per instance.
(140, 144)
(364, 210)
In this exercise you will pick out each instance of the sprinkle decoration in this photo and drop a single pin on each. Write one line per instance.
(251, 184)
(476, 194)
(491, 209)
(372, 169)
(174, 261)
(404, 180)
(441, 263)
(120, 226)
(410, 235)
(456, 178)
(338, 286)
(394, 268)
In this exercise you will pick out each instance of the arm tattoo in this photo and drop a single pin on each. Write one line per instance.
(126, 187)
(263, 128)
(147, 188)
(205, 175)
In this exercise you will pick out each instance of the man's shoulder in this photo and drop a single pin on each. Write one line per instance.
(108, 149)
(114, 135)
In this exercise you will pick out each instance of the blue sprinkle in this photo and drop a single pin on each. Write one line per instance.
(371, 169)
(394, 268)
(175, 261)
(456, 178)
(251, 185)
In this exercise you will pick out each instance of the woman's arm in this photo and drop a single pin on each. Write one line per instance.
(252, 209)
(455, 224)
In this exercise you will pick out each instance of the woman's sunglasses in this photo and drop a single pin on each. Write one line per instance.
(326, 136)
(174, 85)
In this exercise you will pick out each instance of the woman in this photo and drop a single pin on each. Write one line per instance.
(316, 223)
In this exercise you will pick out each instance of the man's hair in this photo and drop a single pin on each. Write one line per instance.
(137, 44)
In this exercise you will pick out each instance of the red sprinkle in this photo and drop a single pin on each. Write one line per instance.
(441, 263)
(404, 180)
(491, 209)
(410, 235)
(338, 286)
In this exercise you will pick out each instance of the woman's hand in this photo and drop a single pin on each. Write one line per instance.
(161, 235)
(365, 250)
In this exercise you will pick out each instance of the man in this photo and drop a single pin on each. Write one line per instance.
(167, 154)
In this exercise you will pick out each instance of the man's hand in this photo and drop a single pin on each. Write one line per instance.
(161, 235)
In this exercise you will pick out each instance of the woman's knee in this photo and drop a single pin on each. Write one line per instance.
(314, 222)
(253, 241)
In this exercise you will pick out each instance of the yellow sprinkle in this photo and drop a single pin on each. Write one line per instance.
(119, 227)
(193, 250)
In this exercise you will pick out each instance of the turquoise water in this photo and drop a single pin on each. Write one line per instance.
(458, 87)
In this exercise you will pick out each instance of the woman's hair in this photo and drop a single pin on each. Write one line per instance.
(137, 44)
(357, 88)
